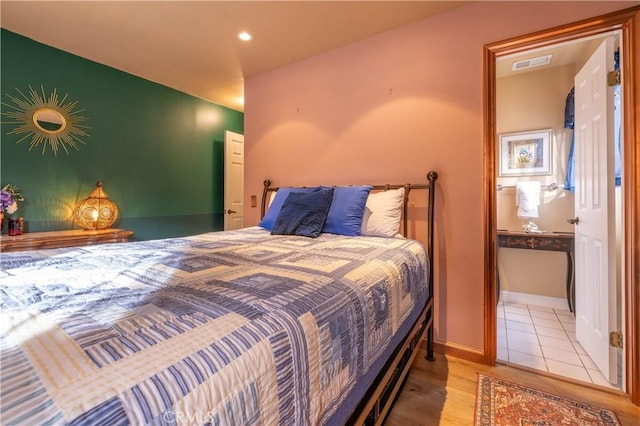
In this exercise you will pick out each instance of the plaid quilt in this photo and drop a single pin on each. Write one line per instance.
(222, 328)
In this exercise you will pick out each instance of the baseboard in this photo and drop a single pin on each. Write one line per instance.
(460, 351)
(534, 299)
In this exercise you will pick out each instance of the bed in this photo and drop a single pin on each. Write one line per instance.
(222, 328)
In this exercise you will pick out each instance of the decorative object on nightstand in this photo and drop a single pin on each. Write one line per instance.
(96, 211)
(9, 197)
(14, 226)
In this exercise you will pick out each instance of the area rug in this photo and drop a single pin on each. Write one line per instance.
(502, 403)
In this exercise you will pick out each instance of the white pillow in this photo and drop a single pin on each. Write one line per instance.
(382, 213)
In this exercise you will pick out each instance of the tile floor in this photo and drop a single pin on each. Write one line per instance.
(545, 339)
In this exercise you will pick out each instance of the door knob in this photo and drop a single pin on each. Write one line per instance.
(574, 221)
(231, 211)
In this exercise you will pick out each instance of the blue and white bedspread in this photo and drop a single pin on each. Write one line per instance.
(223, 328)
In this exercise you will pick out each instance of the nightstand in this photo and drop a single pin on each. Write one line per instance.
(68, 238)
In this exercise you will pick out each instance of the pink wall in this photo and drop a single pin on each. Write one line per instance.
(389, 109)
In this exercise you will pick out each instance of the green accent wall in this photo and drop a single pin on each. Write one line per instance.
(159, 152)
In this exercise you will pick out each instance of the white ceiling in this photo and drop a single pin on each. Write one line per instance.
(192, 46)
(574, 52)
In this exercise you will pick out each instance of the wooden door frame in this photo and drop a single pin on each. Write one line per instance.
(628, 22)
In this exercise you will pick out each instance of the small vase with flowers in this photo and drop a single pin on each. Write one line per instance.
(9, 197)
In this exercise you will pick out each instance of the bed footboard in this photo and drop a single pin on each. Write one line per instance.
(375, 408)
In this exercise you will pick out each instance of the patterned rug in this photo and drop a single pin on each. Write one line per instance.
(502, 403)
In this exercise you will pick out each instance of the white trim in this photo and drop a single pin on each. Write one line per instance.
(534, 299)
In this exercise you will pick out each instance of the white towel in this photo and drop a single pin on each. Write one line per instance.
(527, 199)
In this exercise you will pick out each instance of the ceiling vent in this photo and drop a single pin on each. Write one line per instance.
(532, 62)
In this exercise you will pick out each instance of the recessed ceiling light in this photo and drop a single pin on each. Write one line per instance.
(244, 36)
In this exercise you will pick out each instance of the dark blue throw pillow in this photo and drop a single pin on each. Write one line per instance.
(303, 213)
(347, 209)
(271, 215)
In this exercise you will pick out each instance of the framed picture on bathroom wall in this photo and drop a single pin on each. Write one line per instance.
(525, 153)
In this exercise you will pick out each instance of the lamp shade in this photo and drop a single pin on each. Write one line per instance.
(96, 211)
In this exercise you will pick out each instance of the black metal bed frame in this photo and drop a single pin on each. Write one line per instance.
(378, 400)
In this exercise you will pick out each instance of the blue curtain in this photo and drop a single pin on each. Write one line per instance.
(617, 120)
(569, 115)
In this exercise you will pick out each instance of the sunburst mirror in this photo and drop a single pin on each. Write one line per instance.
(46, 120)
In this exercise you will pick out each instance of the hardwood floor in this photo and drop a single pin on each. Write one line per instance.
(443, 392)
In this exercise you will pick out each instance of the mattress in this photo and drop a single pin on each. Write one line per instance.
(236, 327)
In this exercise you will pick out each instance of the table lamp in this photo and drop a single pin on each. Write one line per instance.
(96, 211)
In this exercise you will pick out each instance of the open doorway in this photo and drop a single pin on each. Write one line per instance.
(629, 324)
(233, 180)
(536, 201)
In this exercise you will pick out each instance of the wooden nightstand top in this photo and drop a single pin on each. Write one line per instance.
(67, 238)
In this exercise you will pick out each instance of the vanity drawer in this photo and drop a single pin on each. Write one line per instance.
(551, 242)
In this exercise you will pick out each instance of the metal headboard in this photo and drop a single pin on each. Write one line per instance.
(432, 176)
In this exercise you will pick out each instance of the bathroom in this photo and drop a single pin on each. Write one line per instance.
(536, 319)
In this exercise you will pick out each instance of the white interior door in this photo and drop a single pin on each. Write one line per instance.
(233, 180)
(596, 308)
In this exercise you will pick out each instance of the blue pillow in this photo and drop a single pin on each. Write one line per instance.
(347, 209)
(303, 213)
(271, 215)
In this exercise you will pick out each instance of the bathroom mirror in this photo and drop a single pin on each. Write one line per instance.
(46, 120)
